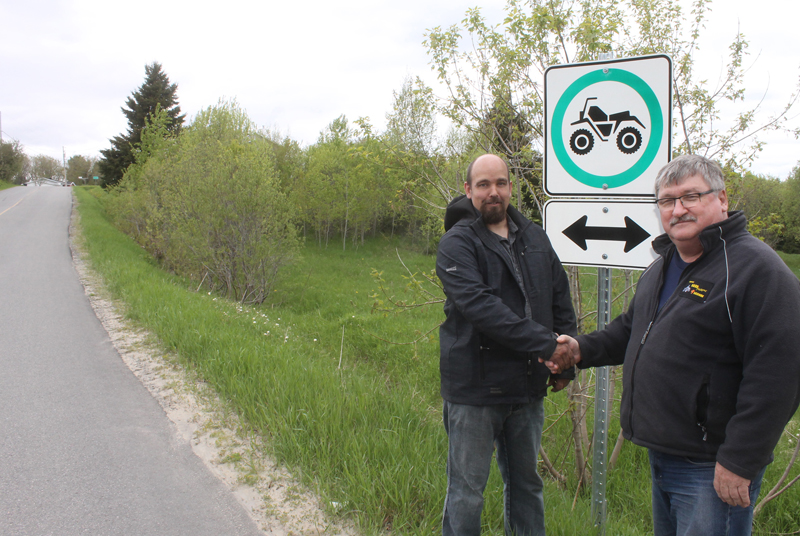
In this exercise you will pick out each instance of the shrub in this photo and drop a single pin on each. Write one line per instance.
(208, 203)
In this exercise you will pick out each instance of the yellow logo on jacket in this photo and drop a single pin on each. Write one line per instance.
(697, 290)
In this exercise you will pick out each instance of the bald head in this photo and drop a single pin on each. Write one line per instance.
(489, 188)
(485, 159)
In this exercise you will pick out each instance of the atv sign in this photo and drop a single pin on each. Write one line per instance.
(607, 126)
(629, 139)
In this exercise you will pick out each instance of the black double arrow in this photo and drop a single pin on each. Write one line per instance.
(631, 234)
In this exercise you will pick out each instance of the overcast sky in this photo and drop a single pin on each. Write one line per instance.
(66, 67)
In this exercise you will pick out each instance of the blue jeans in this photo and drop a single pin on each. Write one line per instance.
(685, 503)
(473, 433)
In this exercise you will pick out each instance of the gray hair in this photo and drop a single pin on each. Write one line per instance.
(688, 165)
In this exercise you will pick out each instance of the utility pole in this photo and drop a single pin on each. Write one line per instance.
(64, 156)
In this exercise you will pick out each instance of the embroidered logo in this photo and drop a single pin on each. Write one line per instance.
(697, 290)
(451, 269)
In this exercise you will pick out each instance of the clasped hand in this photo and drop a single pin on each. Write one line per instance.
(565, 356)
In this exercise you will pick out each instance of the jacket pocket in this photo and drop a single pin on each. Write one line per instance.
(502, 372)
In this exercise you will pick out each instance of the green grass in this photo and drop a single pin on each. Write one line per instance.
(6, 185)
(792, 261)
(357, 418)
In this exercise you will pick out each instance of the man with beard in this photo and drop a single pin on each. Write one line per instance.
(709, 348)
(507, 299)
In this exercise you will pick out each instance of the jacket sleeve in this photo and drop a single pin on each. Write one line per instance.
(564, 320)
(608, 346)
(765, 315)
(457, 266)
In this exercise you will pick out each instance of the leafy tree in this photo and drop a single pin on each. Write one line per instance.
(46, 167)
(411, 125)
(26, 173)
(329, 188)
(424, 171)
(154, 92)
(413, 148)
(698, 105)
(376, 188)
(138, 202)
(790, 212)
(495, 76)
(345, 187)
(80, 168)
(12, 159)
(760, 198)
(290, 159)
(208, 202)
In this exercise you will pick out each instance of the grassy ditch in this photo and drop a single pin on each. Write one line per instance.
(341, 393)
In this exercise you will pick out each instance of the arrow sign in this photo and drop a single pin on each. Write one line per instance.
(608, 233)
(632, 234)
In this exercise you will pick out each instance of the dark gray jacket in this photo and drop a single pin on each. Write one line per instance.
(715, 374)
(489, 348)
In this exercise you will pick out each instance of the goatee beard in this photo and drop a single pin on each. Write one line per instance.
(492, 214)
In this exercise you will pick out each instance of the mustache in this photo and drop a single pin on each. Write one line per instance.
(684, 218)
(491, 199)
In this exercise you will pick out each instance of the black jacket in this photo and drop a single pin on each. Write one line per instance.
(489, 348)
(715, 374)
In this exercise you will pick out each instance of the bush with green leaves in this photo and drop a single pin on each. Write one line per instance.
(209, 204)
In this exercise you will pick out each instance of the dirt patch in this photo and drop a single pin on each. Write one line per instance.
(272, 498)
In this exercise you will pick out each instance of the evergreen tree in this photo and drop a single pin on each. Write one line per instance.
(155, 90)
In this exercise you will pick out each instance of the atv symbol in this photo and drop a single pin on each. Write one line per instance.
(629, 139)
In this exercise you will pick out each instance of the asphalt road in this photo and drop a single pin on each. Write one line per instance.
(84, 448)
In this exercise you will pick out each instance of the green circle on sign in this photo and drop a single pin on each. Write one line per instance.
(653, 144)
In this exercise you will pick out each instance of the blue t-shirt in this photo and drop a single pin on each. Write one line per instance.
(672, 278)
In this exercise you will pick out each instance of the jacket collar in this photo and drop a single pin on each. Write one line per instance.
(710, 237)
(461, 209)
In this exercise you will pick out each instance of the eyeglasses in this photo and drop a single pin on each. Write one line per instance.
(688, 200)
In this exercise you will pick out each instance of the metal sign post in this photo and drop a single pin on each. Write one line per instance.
(607, 134)
(601, 408)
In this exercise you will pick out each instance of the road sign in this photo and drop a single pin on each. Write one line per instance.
(607, 126)
(613, 234)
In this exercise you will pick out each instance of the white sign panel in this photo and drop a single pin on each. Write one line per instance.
(605, 233)
(607, 126)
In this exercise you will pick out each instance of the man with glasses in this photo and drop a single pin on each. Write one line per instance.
(710, 348)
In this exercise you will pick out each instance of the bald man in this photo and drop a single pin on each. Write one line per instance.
(507, 299)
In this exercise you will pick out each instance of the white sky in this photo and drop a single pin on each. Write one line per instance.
(67, 66)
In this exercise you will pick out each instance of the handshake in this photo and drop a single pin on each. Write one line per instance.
(566, 355)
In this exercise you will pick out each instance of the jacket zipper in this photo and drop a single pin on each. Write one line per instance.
(633, 370)
(647, 331)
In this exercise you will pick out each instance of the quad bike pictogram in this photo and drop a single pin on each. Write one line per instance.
(629, 139)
